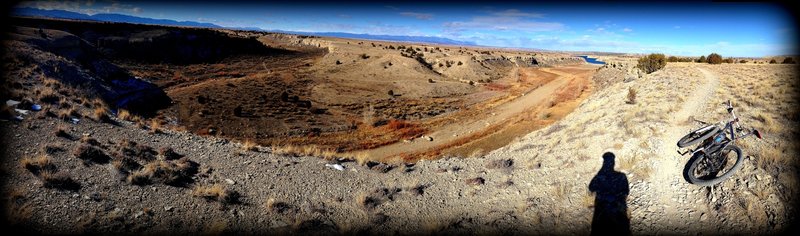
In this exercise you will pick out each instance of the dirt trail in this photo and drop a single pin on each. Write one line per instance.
(669, 163)
(452, 132)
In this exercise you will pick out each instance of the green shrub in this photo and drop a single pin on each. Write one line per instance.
(742, 61)
(788, 60)
(673, 59)
(728, 60)
(773, 61)
(702, 59)
(714, 58)
(652, 63)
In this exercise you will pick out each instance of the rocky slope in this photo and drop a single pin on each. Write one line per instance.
(538, 185)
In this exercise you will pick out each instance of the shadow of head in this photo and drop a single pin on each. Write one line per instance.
(608, 162)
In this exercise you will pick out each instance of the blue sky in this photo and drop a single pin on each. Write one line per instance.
(731, 29)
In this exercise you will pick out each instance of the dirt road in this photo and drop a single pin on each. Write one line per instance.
(496, 115)
(669, 162)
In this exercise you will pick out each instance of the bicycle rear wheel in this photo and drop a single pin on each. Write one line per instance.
(697, 136)
(707, 170)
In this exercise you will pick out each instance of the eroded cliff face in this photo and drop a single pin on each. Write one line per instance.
(45, 54)
(156, 44)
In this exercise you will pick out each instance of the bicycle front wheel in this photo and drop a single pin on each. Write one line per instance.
(707, 170)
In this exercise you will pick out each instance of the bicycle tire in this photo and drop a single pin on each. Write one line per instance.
(698, 135)
(693, 164)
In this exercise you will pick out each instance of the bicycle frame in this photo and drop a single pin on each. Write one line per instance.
(728, 130)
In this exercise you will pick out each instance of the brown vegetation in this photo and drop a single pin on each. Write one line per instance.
(714, 58)
(651, 63)
(216, 193)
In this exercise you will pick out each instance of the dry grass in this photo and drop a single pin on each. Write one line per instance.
(770, 157)
(90, 154)
(90, 141)
(38, 165)
(52, 148)
(66, 114)
(123, 114)
(278, 207)
(100, 114)
(560, 191)
(631, 96)
(167, 153)
(61, 131)
(175, 173)
(318, 151)
(47, 95)
(249, 145)
(769, 125)
(217, 193)
(18, 208)
(371, 200)
(588, 200)
(58, 180)
(628, 163)
(155, 126)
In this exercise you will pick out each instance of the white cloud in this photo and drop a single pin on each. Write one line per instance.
(507, 20)
(627, 30)
(516, 13)
(421, 16)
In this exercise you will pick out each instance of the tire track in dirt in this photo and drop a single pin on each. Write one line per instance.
(668, 180)
(454, 131)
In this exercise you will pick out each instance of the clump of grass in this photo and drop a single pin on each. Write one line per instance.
(100, 114)
(53, 148)
(48, 95)
(61, 132)
(168, 153)
(631, 96)
(90, 141)
(217, 193)
(125, 165)
(560, 191)
(64, 103)
(38, 164)
(59, 180)
(249, 145)
(155, 126)
(769, 158)
(90, 154)
(361, 158)
(371, 200)
(123, 114)
(135, 150)
(588, 200)
(68, 113)
(175, 173)
(769, 124)
(278, 207)
(642, 171)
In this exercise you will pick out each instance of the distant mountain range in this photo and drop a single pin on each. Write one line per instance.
(62, 14)
(398, 38)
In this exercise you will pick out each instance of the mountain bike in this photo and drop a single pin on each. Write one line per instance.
(716, 157)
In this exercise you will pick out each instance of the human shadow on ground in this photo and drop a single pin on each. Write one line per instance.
(610, 202)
